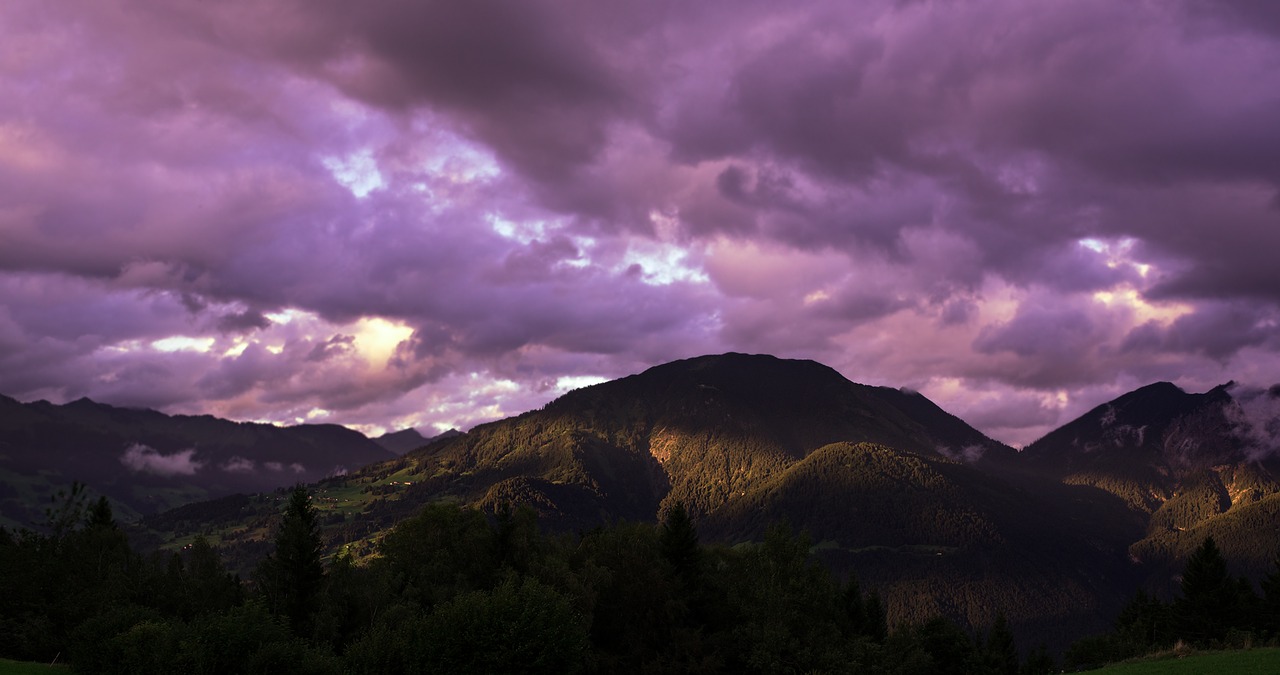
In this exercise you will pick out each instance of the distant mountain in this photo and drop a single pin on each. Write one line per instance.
(148, 461)
(400, 442)
(1143, 443)
(1187, 465)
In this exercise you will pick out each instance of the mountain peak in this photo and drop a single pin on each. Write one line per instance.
(400, 442)
(1144, 442)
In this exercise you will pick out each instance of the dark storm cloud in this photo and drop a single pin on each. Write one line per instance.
(1217, 330)
(1260, 15)
(525, 78)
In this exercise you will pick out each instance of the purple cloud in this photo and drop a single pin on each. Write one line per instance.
(433, 214)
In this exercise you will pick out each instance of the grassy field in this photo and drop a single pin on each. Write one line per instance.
(8, 667)
(1248, 662)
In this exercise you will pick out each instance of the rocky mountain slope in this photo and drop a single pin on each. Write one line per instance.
(1186, 465)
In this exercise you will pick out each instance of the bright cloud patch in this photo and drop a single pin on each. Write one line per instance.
(145, 459)
(570, 382)
(181, 343)
(377, 339)
(358, 172)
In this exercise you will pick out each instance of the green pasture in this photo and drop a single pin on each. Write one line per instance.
(8, 667)
(1244, 662)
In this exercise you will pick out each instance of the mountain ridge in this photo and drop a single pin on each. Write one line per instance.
(919, 504)
(146, 460)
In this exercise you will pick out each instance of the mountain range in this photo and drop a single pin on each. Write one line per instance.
(923, 507)
(146, 461)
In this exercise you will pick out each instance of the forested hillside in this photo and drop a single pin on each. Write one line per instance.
(876, 475)
(146, 461)
(889, 488)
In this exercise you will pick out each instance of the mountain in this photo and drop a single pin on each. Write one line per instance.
(148, 461)
(921, 506)
(888, 485)
(1142, 444)
(400, 442)
(701, 431)
(1186, 465)
(937, 517)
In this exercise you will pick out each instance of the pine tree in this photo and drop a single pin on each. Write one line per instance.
(679, 542)
(1144, 621)
(1039, 662)
(1269, 612)
(853, 606)
(211, 587)
(100, 515)
(876, 620)
(1000, 653)
(290, 578)
(1212, 601)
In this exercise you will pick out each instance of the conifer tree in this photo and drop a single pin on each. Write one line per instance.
(853, 606)
(1212, 601)
(876, 620)
(1270, 610)
(1000, 652)
(290, 578)
(100, 515)
(1144, 620)
(679, 542)
(1039, 662)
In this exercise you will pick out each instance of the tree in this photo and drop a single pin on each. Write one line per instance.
(1000, 653)
(523, 627)
(1145, 621)
(1212, 601)
(680, 546)
(290, 578)
(854, 606)
(875, 618)
(790, 613)
(1039, 662)
(66, 512)
(100, 515)
(441, 552)
(1270, 612)
(206, 584)
(948, 647)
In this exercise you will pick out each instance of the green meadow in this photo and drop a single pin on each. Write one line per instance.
(8, 667)
(1243, 662)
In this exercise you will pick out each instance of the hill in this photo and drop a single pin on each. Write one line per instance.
(400, 442)
(923, 507)
(1187, 465)
(878, 476)
(147, 461)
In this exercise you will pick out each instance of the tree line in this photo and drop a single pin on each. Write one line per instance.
(1213, 610)
(455, 589)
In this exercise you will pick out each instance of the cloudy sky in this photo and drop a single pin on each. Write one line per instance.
(407, 212)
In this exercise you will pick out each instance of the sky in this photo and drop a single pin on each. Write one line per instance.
(429, 213)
